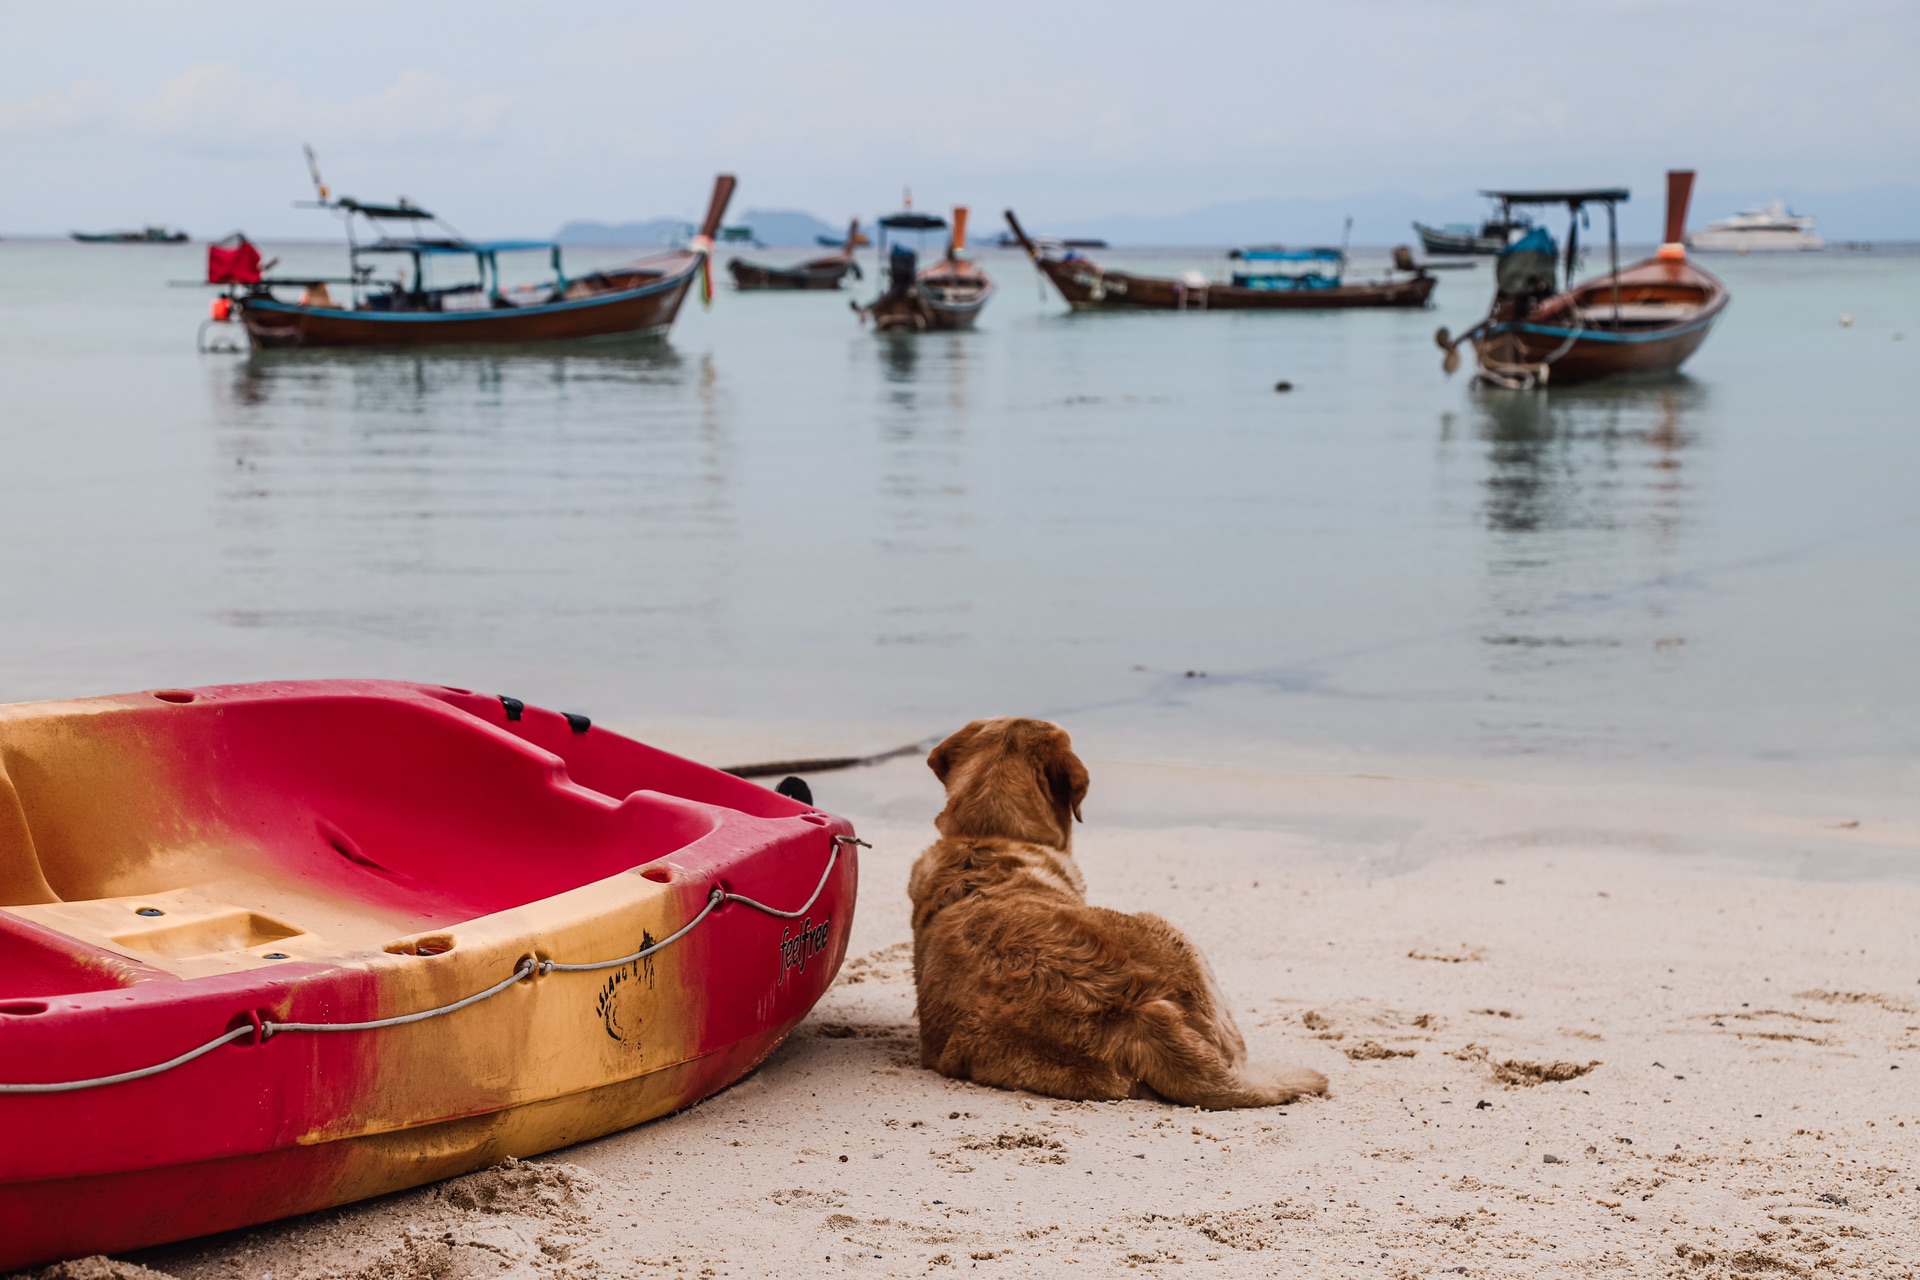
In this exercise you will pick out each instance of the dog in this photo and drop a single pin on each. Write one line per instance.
(1024, 985)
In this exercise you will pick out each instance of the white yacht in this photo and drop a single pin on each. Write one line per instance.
(1772, 227)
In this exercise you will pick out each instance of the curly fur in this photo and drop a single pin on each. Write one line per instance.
(1022, 984)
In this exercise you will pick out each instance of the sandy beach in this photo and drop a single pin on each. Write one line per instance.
(1573, 1028)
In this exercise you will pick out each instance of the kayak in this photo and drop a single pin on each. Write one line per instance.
(270, 948)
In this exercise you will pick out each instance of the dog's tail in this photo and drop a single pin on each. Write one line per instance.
(1184, 1067)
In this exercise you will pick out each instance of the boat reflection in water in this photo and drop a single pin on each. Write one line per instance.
(924, 531)
(403, 497)
(1575, 480)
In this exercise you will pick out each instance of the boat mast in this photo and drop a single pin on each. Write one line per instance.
(325, 197)
(1613, 261)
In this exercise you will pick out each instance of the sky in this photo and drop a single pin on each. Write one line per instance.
(512, 119)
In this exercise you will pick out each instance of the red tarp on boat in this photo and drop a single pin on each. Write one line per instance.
(238, 265)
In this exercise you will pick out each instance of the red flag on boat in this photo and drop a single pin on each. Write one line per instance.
(239, 264)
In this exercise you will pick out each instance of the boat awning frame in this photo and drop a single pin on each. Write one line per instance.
(1574, 197)
(463, 247)
(913, 222)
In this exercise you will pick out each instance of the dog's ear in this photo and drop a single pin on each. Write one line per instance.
(1066, 776)
(949, 753)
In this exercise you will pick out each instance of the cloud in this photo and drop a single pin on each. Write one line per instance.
(218, 108)
(80, 106)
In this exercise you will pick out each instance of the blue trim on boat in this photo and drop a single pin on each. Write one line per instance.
(1288, 255)
(1601, 335)
(404, 317)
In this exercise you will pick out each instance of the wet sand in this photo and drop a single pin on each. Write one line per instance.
(1573, 1027)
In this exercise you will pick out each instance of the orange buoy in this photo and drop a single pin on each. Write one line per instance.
(222, 309)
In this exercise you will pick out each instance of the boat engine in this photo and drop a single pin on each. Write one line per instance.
(1526, 268)
(902, 264)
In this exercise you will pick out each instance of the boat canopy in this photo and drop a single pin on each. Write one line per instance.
(1274, 253)
(468, 247)
(404, 209)
(913, 222)
(1574, 197)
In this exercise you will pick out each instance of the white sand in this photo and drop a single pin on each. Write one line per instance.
(1427, 939)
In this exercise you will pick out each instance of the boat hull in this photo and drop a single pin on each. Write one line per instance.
(1770, 241)
(808, 275)
(1086, 286)
(1440, 242)
(644, 311)
(930, 307)
(920, 314)
(308, 821)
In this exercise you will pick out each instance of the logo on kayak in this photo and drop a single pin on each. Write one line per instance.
(617, 1005)
(797, 950)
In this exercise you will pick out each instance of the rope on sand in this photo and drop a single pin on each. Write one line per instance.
(826, 764)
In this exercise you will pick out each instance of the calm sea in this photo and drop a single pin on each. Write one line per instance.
(776, 515)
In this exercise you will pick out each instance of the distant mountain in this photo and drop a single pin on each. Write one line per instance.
(770, 227)
(654, 231)
(786, 227)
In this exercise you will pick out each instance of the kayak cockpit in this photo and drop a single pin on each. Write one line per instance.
(221, 834)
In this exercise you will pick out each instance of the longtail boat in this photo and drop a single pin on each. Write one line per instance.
(824, 272)
(1646, 318)
(265, 949)
(146, 235)
(946, 294)
(636, 299)
(1461, 239)
(1319, 284)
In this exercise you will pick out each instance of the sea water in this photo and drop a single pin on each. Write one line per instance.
(1113, 519)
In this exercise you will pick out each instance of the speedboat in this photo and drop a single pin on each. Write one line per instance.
(1768, 227)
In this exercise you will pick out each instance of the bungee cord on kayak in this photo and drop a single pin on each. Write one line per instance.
(263, 1030)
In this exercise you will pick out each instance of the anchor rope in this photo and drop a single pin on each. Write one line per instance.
(263, 1030)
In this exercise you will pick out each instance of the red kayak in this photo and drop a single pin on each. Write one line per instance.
(270, 948)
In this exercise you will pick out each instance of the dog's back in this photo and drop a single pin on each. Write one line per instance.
(1024, 985)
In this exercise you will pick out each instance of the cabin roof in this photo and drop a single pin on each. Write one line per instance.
(404, 209)
(1577, 195)
(468, 247)
(913, 222)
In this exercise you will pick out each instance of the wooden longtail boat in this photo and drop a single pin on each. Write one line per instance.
(1493, 236)
(947, 294)
(266, 949)
(1087, 286)
(146, 235)
(636, 299)
(824, 272)
(1646, 318)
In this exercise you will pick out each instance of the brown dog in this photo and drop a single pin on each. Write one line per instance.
(1022, 985)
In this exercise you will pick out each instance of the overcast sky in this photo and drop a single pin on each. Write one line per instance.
(514, 118)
